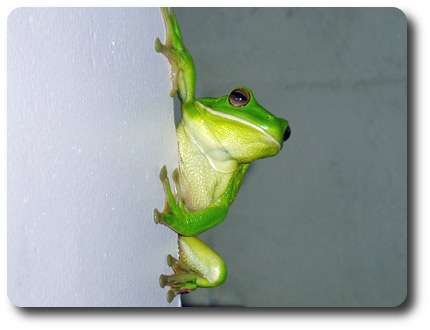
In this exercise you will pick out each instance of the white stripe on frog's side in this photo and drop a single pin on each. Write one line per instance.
(231, 117)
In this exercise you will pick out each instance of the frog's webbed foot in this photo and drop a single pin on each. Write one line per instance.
(182, 281)
(173, 210)
(173, 47)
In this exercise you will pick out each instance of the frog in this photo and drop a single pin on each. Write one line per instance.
(218, 138)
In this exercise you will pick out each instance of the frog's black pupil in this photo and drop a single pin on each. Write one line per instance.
(287, 133)
(239, 96)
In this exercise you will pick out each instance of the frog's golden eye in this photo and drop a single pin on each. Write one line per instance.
(239, 97)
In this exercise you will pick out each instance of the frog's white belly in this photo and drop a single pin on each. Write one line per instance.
(200, 183)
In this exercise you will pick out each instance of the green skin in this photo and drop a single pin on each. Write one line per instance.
(217, 139)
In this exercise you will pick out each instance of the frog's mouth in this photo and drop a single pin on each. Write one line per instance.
(242, 121)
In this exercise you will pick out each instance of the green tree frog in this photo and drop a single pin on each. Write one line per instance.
(217, 138)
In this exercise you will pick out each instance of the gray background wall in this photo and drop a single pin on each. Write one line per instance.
(324, 222)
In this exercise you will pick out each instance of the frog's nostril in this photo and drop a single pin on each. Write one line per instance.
(287, 133)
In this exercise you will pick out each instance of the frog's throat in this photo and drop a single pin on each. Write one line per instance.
(217, 156)
(240, 120)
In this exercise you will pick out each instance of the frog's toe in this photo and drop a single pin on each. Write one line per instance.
(170, 295)
(175, 176)
(163, 173)
(157, 216)
(162, 280)
(158, 46)
(171, 260)
(177, 265)
(174, 72)
(173, 292)
(177, 279)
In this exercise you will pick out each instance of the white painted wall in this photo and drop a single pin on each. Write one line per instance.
(90, 124)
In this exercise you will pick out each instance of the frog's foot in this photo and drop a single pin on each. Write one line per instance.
(183, 281)
(173, 205)
(173, 48)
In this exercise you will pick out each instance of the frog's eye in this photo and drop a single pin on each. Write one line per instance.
(239, 97)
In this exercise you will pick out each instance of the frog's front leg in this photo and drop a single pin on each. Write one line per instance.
(183, 74)
(198, 266)
(186, 223)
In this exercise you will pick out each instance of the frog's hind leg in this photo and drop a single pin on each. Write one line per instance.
(198, 266)
(202, 260)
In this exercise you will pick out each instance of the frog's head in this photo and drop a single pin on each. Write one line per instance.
(244, 128)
